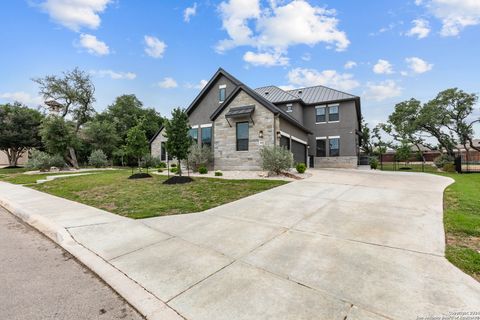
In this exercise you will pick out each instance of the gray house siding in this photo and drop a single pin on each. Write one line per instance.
(297, 110)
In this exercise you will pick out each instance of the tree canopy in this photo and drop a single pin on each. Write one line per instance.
(176, 132)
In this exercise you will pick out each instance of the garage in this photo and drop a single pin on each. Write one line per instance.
(299, 151)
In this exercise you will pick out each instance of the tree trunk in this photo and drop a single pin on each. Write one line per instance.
(179, 169)
(73, 158)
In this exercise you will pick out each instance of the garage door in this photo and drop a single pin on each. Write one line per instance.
(299, 151)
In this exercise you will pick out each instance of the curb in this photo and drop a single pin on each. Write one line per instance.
(144, 302)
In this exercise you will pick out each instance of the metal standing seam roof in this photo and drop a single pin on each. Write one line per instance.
(310, 95)
(240, 111)
(275, 94)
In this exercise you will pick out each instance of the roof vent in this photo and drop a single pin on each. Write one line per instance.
(300, 91)
(266, 92)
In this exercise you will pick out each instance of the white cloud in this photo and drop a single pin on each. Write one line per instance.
(265, 59)
(383, 67)
(199, 85)
(22, 97)
(154, 47)
(190, 12)
(276, 27)
(420, 29)
(168, 83)
(382, 90)
(93, 45)
(114, 74)
(350, 64)
(303, 77)
(418, 65)
(75, 14)
(306, 56)
(455, 15)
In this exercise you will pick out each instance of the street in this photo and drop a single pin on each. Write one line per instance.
(39, 280)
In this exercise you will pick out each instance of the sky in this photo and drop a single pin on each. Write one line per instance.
(165, 51)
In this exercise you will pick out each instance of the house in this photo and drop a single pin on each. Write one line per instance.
(319, 125)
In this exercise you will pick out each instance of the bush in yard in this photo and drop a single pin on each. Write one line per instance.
(202, 170)
(373, 161)
(199, 156)
(160, 170)
(442, 160)
(218, 173)
(148, 161)
(173, 165)
(43, 161)
(276, 159)
(98, 159)
(162, 164)
(449, 167)
(174, 170)
(301, 167)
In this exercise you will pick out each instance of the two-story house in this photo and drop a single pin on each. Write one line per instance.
(319, 125)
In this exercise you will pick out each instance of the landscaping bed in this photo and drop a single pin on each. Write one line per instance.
(143, 198)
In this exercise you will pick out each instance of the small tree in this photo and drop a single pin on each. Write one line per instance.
(137, 144)
(58, 137)
(101, 135)
(199, 155)
(19, 130)
(403, 152)
(98, 159)
(178, 139)
(276, 159)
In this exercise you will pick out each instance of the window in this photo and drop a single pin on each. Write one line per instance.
(320, 114)
(334, 144)
(193, 133)
(333, 113)
(289, 108)
(207, 136)
(321, 148)
(285, 142)
(222, 92)
(242, 136)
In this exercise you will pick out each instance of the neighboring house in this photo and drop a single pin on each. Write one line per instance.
(319, 125)
(4, 159)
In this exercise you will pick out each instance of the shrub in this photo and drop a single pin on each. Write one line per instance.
(98, 159)
(202, 170)
(442, 160)
(162, 164)
(449, 167)
(373, 162)
(174, 170)
(301, 167)
(43, 161)
(276, 159)
(173, 165)
(218, 173)
(160, 170)
(199, 156)
(150, 162)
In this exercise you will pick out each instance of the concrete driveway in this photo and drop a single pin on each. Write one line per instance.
(343, 244)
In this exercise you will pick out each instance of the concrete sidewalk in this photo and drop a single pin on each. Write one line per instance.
(342, 244)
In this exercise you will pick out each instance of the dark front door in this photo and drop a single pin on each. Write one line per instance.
(299, 151)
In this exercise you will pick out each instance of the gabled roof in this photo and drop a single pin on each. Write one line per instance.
(275, 94)
(319, 94)
(267, 104)
(156, 134)
(208, 86)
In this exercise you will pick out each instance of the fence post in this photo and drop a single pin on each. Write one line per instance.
(458, 164)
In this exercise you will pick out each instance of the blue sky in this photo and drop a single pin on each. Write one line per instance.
(162, 51)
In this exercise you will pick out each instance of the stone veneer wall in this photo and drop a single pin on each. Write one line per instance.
(155, 146)
(336, 162)
(226, 157)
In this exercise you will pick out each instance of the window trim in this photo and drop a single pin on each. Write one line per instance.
(325, 140)
(236, 135)
(324, 107)
(289, 107)
(338, 112)
(201, 134)
(220, 88)
(330, 138)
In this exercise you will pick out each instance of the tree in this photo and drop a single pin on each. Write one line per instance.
(19, 130)
(101, 135)
(58, 137)
(137, 143)
(366, 145)
(70, 94)
(178, 139)
(403, 152)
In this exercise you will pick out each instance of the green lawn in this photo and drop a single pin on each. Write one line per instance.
(144, 198)
(17, 176)
(462, 222)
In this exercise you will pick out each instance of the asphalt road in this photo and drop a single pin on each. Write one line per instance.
(39, 280)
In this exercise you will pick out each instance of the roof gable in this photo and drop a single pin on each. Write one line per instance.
(319, 94)
(275, 94)
(220, 72)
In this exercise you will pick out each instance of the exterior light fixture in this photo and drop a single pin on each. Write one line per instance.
(279, 134)
(260, 134)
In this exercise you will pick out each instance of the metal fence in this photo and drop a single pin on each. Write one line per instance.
(468, 162)
(416, 166)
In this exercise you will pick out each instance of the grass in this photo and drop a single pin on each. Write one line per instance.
(144, 198)
(17, 176)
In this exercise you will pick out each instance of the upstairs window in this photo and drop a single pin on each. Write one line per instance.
(242, 136)
(222, 92)
(334, 146)
(320, 114)
(207, 136)
(289, 108)
(333, 113)
(193, 133)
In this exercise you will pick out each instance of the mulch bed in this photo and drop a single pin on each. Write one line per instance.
(139, 176)
(178, 180)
